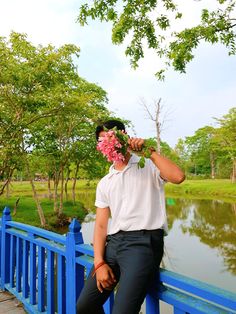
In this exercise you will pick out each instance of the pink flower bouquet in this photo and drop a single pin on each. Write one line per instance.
(114, 145)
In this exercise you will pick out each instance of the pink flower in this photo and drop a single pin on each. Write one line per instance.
(110, 147)
(114, 145)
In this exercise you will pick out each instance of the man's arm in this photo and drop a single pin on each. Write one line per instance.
(100, 234)
(169, 171)
(104, 274)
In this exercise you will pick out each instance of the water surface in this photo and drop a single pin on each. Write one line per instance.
(201, 242)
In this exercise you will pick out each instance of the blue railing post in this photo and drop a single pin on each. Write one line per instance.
(5, 249)
(152, 305)
(74, 272)
(109, 304)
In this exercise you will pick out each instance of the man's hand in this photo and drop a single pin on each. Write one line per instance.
(135, 143)
(105, 278)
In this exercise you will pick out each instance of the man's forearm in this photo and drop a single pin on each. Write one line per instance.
(99, 243)
(168, 170)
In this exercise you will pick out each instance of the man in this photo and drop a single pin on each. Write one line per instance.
(131, 250)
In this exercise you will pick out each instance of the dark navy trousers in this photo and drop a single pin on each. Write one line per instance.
(134, 257)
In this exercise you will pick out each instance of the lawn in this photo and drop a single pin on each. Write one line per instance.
(220, 188)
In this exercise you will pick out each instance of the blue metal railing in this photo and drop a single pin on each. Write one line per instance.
(46, 272)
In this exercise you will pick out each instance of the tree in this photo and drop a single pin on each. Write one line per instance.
(155, 117)
(227, 138)
(202, 148)
(152, 23)
(44, 104)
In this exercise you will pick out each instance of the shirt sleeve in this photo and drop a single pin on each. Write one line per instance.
(156, 174)
(101, 199)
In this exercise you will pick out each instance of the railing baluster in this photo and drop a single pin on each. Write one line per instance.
(152, 305)
(5, 249)
(109, 304)
(74, 272)
(50, 282)
(12, 261)
(25, 269)
(18, 264)
(41, 279)
(61, 284)
(32, 273)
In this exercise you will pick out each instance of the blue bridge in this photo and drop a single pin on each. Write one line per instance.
(46, 272)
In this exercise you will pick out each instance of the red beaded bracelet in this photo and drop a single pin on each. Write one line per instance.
(96, 268)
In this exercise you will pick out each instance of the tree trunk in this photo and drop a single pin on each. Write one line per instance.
(233, 178)
(6, 184)
(62, 191)
(55, 194)
(8, 188)
(67, 180)
(158, 125)
(74, 181)
(212, 159)
(15, 207)
(234, 208)
(49, 188)
(39, 207)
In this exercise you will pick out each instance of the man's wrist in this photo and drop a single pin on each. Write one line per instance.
(152, 151)
(98, 261)
(97, 267)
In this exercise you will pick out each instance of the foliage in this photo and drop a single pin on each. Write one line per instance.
(227, 138)
(203, 149)
(211, 151)
(152, 23)
(47, 110)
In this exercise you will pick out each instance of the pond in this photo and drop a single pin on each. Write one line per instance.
(201, 242)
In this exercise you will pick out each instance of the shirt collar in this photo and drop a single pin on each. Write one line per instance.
(134, 159)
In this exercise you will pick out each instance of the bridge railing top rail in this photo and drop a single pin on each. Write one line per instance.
(37, 232)
(176, 281)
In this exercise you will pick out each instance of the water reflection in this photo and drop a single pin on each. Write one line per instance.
(214, 223)
(202, 234)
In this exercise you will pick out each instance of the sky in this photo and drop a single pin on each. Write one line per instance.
(190, 101)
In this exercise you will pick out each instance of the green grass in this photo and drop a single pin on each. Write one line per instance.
(27, 210)
(218, 188)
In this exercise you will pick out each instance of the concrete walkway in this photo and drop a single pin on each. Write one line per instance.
(9, 304)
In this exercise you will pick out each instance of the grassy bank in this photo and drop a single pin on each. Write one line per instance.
(218, 188)
(27, 211)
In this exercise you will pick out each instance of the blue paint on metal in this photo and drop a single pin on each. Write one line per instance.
(12, 261)
(61, 284)
(38, 231)
(18, 264)
(69, 261)
(41, 279)
(50, 282)
(25, 269)
(85, 249)
(5, 245)
(74, 272)
(33, 275)
(152, 305)
(200, 289)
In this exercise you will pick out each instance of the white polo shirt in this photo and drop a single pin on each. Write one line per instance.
(135, 197)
